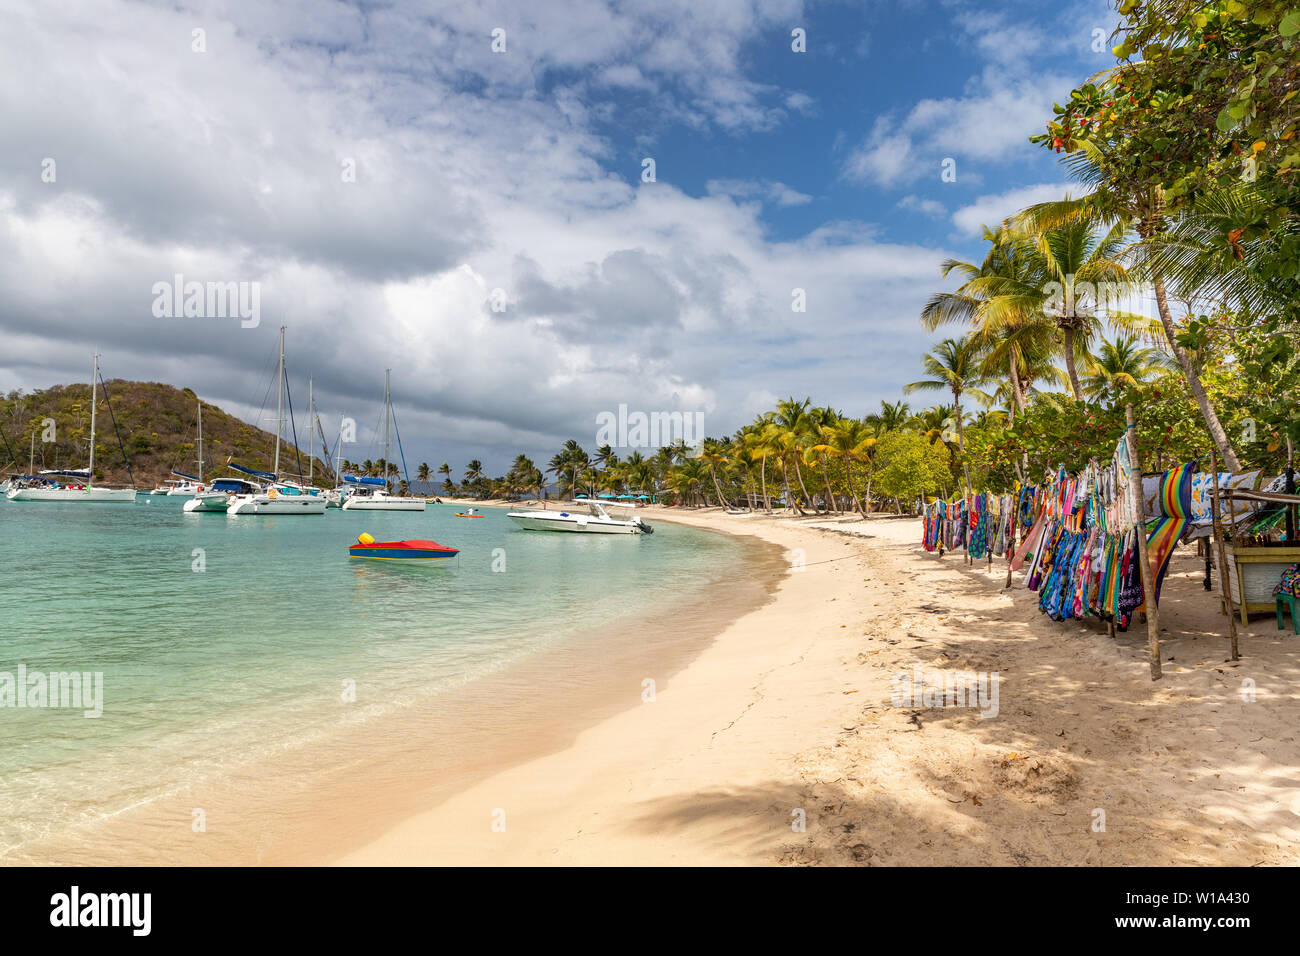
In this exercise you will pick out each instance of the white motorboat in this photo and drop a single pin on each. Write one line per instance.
(374, 494)
(185, 489)
(80, 487)
(588, 516)
(369, 494)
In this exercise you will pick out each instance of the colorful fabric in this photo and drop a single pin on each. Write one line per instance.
(1290, 583)
(1173, 504)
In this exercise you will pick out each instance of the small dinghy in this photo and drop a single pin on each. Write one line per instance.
(410, 552)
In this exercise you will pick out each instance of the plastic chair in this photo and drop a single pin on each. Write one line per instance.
(1284, 601)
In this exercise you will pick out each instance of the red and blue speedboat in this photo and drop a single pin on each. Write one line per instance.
(407, 552)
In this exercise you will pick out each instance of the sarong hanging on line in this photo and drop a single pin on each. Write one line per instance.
(1174, 504)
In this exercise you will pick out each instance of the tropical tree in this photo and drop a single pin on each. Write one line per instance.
(954, 365)
(1123, 200)
(1122, 365)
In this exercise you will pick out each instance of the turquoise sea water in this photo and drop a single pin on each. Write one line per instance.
(204, 669)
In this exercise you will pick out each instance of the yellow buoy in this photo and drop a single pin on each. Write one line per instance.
(364, 538)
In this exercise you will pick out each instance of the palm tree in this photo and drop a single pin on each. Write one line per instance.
(473, 471)
(852, 441)
(795, 424)
(1124, 203)
(823, 421)
(1000, 295)
(1122, 365)
(1028, 352)
(1072, 257)
(894, 416)
(954, 364)
(567, 464)
(759, 440)
(714, 453)
(422, 472)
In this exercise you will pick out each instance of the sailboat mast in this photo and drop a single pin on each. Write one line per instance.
(387, 408)
(31, 462)
(200, 441)
(94, 396)
(311, 425)
(279, 405)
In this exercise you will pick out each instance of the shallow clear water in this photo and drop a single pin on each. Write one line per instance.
(207, 669)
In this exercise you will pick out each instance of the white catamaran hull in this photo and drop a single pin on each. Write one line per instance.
(208, 501)
(101, 496)
(279, 505)
(558, 521)
(383, 503)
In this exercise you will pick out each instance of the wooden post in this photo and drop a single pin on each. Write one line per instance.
(1224, 576)
(1148, 586)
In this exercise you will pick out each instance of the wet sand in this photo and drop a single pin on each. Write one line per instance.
(781, 743)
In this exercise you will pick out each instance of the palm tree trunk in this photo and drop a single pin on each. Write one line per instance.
(767, 502)
(716, 487)
(1069, 363)
(830, 495)
(798, 473)
(961, 441)
(1017, 391)
(1193, 378)
(789, 497)
(853, 491)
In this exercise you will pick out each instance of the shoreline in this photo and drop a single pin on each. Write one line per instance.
(369, 770)
(788, 713)
(604, 798)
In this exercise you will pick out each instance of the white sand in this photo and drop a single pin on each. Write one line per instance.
(788, 713)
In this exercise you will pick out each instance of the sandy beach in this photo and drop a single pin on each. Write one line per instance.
(779, 743)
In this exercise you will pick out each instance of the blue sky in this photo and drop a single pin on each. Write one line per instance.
(515, 174)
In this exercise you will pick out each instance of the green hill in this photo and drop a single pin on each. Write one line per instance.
(157, 424)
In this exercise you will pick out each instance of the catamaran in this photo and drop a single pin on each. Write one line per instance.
(366, 494)
(81, 486)
(216, 498)
(589, 516)
(276, 497)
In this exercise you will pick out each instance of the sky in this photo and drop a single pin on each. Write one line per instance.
(531, 212)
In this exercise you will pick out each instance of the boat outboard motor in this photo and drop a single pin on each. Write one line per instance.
(644, 527)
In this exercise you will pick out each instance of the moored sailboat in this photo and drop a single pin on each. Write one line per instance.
(276, 497)
(80, 485)
(366, 494)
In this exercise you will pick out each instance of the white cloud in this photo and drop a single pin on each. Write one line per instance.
(993, 209)
(227, 166)
(777, 193)
(929, 207)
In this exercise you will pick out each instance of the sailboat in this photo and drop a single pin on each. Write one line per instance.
(373, 494)
(187, 486)
(216, 496)
(29, 480)
(276, 497)
(84, 489)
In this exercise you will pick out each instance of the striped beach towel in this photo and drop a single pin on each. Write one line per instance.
(1173, 506)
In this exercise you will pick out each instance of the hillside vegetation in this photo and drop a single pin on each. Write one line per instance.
(158, 428)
